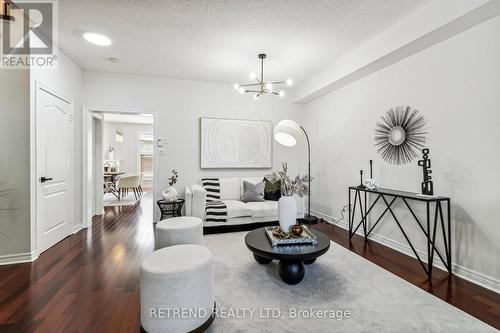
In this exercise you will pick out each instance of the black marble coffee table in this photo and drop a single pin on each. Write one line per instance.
(292, 257)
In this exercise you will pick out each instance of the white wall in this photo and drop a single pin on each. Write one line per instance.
(178, 105)
(14, 165)
(66, 80)
(127, 150)
(456, 85)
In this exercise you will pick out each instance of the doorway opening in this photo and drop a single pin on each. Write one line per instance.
(121, 159)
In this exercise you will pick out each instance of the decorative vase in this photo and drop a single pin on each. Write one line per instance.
(170, 194)
(287, 211)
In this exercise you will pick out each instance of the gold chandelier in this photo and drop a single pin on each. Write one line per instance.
(262, 87)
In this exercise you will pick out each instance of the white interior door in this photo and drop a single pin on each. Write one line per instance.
(54, 161)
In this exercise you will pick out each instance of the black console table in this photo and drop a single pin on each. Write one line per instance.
(389, 197)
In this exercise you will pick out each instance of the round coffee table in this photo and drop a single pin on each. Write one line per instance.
(292, 257)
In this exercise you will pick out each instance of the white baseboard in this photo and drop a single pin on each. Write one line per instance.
(77, 228)
(458, 270)
(18, 258)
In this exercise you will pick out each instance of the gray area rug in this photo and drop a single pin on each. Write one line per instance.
(248, 295)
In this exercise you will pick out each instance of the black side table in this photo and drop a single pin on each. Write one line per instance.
(170, 208)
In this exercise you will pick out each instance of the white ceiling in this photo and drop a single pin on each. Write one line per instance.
(218, 40)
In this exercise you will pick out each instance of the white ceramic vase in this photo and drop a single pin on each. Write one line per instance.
(287, 210)
(170, 194)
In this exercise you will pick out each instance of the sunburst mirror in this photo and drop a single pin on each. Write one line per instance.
(400, 134)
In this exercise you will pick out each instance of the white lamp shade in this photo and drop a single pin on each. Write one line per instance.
(287, 132)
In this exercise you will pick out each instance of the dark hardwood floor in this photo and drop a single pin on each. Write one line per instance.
(86, 283)
(89, 281)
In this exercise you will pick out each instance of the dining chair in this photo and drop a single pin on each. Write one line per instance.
(140, 184)
(126, 182)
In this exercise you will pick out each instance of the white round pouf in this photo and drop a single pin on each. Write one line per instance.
(179, 230)
(176, 287)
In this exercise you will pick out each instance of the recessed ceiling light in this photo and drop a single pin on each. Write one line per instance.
(112, 60)
(97, 39)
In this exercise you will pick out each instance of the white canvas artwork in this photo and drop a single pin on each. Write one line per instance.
(234, 143)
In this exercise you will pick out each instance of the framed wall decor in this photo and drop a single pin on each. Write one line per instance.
(235, 143)
(400, 134)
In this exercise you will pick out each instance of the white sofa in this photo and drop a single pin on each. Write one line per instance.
(238, 212)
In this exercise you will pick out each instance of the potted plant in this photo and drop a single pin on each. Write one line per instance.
(287, 204)
(170, 194)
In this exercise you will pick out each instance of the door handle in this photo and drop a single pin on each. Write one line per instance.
(44, 179)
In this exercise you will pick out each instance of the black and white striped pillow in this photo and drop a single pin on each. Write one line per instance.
(212, 186)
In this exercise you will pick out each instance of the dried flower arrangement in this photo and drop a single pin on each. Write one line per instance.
(298, 185)
(172, 180)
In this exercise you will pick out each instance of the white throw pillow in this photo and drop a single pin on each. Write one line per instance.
(230, 189)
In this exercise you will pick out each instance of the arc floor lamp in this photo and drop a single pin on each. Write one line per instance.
(287, 133)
